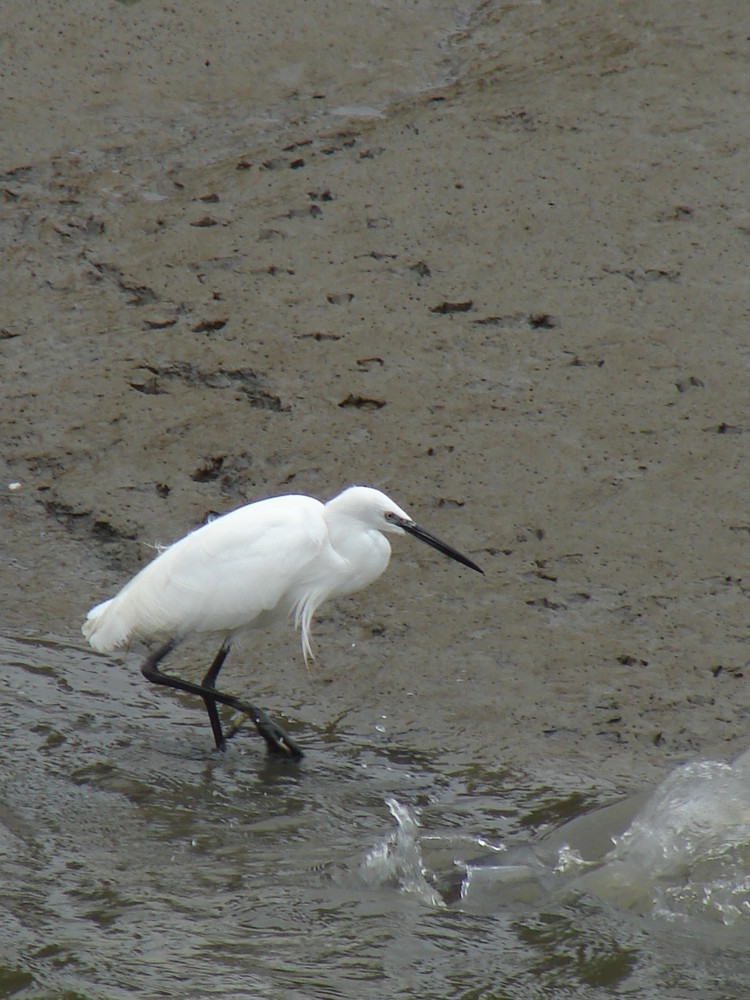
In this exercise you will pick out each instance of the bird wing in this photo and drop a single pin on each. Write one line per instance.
(228, 573)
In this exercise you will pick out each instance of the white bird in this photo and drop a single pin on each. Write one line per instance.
(264, 561)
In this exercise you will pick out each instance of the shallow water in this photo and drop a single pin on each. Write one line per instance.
(136, 859)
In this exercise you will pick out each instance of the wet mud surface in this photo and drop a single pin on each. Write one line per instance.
(505, 283)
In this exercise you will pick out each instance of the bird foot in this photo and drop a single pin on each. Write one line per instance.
(277, 740)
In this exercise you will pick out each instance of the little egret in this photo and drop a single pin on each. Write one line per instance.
(264, 561)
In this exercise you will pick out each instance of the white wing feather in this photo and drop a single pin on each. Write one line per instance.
(260, 561)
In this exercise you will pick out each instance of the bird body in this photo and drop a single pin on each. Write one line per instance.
(267, 560)
(261, 562)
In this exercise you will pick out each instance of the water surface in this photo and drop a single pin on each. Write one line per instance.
(136, 859)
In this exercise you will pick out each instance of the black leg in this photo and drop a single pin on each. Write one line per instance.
(276, 739)
(209, 681)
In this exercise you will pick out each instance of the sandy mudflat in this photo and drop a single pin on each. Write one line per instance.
(495, 266)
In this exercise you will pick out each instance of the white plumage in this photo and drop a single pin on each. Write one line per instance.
(267, 560)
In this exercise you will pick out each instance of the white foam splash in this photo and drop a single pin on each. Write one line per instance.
(398, 859)
(688, 849)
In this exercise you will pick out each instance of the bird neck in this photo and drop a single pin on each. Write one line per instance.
(365, 551)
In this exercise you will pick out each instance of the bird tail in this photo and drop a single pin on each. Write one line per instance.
(105, 628)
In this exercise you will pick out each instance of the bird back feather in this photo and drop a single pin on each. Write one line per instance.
(246, 565)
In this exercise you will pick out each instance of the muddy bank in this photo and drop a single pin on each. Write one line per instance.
(505, 282)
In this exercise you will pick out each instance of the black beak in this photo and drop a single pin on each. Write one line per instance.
(425, 536)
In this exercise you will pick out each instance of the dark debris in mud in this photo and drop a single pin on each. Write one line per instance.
(361, 403)
(242, 380)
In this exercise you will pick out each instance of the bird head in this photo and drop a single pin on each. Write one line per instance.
(377, 511)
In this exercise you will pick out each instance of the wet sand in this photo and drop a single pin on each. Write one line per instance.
(498, 269)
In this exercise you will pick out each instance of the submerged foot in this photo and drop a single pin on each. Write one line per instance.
(278, 741)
